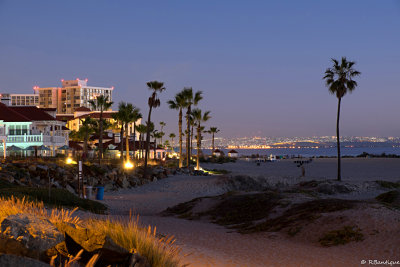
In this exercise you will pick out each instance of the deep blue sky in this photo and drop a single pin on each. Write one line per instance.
(260, 64)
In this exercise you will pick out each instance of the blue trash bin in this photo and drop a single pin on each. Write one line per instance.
(100, 193)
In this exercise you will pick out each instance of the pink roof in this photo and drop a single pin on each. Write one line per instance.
(9, 115)
(82, 109)
(33, 113)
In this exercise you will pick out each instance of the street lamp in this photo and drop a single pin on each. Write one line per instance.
(128, 165)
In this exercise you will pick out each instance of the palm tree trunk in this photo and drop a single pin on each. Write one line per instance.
(101, 136)
(155, 148)
(180, 138)
(148, 138)
(127, 142)
(339, 174)
(134, 140)
(140, 146)
(191, 137)
(122, 144)
(212, 144)
(188, 137)
(198, 148)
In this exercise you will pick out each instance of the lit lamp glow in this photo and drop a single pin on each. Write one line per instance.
(69, 161)
(128, 165)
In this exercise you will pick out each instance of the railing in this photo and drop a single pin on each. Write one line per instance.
(36, 138)
(26, 138)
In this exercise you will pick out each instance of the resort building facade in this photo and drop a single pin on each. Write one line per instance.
(20, 99)
(80, 114)
(71, 95)
(27, 128)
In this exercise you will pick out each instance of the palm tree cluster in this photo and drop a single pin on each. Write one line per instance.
(185, 100)
(101, 103)
(127, 113)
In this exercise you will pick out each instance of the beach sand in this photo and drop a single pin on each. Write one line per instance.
(206, 244)
(353, 169)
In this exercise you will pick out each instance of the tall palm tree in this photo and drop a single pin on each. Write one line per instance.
(136, 116)
(162, 124)
(213, 131)
(119, 117)
(101, 103)
(192, 125)
(126, 113)
(172, 136)
(199, 117)
(179, 103)
(85, 131)
(339, 80)
(141, 129)
(154, 102)
(190, 99)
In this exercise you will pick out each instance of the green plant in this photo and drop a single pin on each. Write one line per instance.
(388, 197)
(342, 236)
(58, 198)
(160, 252)
(387, 184)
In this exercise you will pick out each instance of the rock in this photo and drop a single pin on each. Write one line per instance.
(57, 184)
(125, 183)
(341, 188)
(9, 260)
(122, 182)
(108, 187)
(32, 168)
(28, 235)
(134, 181)
(42, 167)
(7, 178)
(326, 188)
(77, 238)
(330, 189)
(138, 261)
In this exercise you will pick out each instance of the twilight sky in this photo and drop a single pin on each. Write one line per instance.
(260, 64)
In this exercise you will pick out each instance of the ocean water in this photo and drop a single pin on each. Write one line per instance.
(311, 152)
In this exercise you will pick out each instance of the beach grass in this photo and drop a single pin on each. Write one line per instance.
(342, 236)
(159, 251)
(387, 184)
(58, 197)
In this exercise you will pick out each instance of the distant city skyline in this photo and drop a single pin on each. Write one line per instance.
(259, 64)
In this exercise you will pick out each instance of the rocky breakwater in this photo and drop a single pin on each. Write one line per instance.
(40, 174)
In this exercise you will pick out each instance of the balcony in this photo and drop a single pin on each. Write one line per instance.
(36, 139)
(26, 138)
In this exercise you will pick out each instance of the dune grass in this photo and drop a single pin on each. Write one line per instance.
(58, 197)
(12, 206)
(342, 236)
(160, 251)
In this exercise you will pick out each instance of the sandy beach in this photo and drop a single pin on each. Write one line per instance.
(353, 169)
(207, 244)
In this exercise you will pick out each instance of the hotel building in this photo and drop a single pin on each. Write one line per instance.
(21, 99)
(72, 95)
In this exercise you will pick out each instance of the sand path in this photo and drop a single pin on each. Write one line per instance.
(206, 244)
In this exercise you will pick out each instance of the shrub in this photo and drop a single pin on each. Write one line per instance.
(342, 236)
